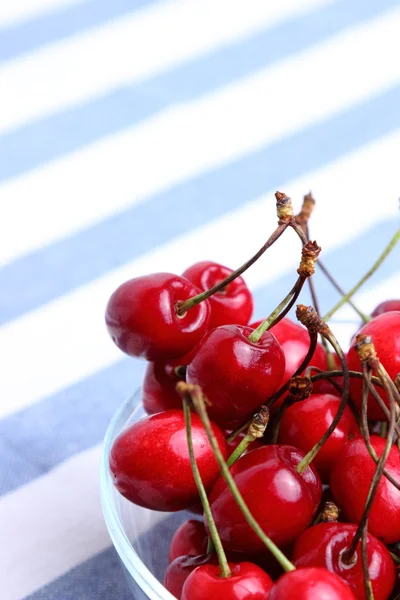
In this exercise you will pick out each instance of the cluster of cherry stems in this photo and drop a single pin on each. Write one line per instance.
(213, 384)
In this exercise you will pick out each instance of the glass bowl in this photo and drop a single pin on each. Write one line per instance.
(140, 536)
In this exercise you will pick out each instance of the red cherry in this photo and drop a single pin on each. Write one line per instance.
(190, 538)
(180, 568)
(159, 384)
(312, 583)
(233, 304)
(247, 582)
(385, 333)
(386, 306)
(305, 422)
(324, 386)
(282, 501)
(236, 375)
(324, 545)
(142, 320)
(295, 342)
(150, 463)
(351, 477)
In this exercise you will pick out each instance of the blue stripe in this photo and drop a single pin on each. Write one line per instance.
(55, 135)
(77, 417)
(53, 271)
(29, 35)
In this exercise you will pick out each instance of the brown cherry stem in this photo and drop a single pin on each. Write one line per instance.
(222, 560)
(369, 594)
(255, 431)
(199, 405)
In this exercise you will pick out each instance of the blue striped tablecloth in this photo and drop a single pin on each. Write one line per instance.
(140, 136)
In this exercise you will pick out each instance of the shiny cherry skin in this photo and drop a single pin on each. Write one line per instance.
(282, 501)
(180, 568)
(150, 464)
(305, 422)
(313, 583)
(190, 538)
(159, 384)
(324, 545)
(386, 306)
(247, 582)
(236, 375)
(142, 320)
(385, 333)
(233, 304)
(351, 476)
(295, 342)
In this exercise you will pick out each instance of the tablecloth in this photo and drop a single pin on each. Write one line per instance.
(140, 136)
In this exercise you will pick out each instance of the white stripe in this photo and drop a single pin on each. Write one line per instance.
(125, 169)
(53, 524)
(58, 516)
(128, 49)
(21, 10)
(66, 340)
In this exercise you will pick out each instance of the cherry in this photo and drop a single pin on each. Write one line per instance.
(305, 422)
(281, 500)
(325, 545)
(236, 375)
(385, 332)
(180, 568)
(386, 306)
(247, 582)
(190, 538)
(232, 304)
(295, 342)
(351, 476)
(324, 386)
(312, 583)
(143, 321)
(159, 384)
(150, 464)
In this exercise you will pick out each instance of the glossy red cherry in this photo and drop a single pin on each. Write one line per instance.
(150, 464)
(312, 583)
(233, 304)
(282, 501)
(386, 306)
(385, 333)
(324, 546)
(247, 582)
(295, 342)
(142, 320)
(236, 375)
(190, 538)
(351, 476)
(305, 422)
(159, 384)
(180, 568)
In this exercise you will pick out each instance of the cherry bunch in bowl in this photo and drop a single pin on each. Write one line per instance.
(287, 447)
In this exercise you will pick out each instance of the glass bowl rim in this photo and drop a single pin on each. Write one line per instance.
(143, 577)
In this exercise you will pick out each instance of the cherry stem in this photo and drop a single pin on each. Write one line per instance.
(369, 594)
(368, 274)
(306, 461)
(222, 560)
(291, 297)
(337, 373)
(182, 307)
(199, 405)
(255, 431)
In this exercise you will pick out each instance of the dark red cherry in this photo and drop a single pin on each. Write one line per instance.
(295, 342)
(312, 583)
(159, 384)
(282, 501)
(142, 320)
(190, 538)
(180, 568)
(236, 375)
(233, 304)
(385, 333)
(247, 582)
(386, 306)
(325, 545)
(150, 464)
(351, 476)
(305, 422)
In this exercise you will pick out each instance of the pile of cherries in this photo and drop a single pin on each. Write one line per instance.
(204, 341)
